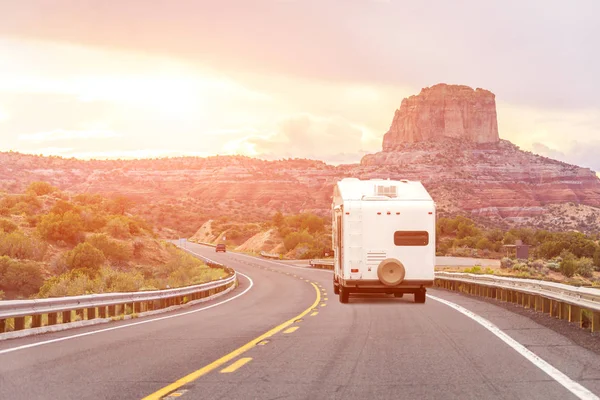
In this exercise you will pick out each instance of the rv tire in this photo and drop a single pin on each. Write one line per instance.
(420, 296)
(344, 294)
(336, 288)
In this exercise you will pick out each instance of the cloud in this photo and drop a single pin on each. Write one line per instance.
(577, 153)
(62, 134)
(542, 56)
(309, 136)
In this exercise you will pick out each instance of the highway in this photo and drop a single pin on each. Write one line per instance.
(282, 334)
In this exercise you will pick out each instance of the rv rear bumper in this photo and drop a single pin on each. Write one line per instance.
(375, 286)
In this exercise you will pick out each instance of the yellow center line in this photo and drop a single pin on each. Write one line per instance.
(236, 365)
(313, 314)
(292, 329)
(323, 305)
(228, 357)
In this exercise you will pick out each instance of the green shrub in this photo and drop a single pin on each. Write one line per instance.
(21, 277)
(18, 245)
(85, 257)
(293, 239)
(506, 262)
(537, 264)
(118, 227)
(568, 265)
(520, 267)
(67, 227)
(553, 266)
(585, 267)
(112, 250)
(474, 270)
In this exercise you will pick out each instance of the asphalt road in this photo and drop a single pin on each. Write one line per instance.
(375, 347)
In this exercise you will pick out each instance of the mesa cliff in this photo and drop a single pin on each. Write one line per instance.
(454, 111)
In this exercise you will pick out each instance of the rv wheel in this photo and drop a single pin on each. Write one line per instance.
(344, 295)
(420, 296)
(336, 288)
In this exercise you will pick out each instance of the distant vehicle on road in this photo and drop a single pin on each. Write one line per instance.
(383, 238)
(221, 247)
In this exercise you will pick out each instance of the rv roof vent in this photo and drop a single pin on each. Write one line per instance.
(404, 180)
(389, 191)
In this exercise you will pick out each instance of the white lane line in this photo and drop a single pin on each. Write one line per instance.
(27, 346)
(569, 384)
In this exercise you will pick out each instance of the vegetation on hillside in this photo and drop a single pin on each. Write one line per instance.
(56, 244)
(568, 253)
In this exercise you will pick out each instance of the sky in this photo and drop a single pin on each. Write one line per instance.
(288, 78)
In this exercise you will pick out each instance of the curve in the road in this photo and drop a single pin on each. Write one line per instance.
(147, 321)
(228, 357)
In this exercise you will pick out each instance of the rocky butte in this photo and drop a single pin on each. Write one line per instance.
(447, 137)
(453, 111)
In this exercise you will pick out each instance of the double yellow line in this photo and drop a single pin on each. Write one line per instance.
(216, 364)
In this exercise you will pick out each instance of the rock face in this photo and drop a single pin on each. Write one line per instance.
(454, 111)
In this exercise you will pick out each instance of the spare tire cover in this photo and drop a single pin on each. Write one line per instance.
(391, 272)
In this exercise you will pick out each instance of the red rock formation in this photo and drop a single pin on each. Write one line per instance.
(442, 110)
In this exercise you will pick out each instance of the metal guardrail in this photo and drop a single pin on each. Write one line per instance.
(269, 255)
(106, 305)
(323, 264)
(576, 304)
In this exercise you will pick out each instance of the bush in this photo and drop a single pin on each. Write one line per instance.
(67, 227)
(21, 278)
(41, 188)
(85, 257)
(537, 264)
(568, 265)
(17, 245)
(506, 262)
(112, 250)
(520, 267)
(293, 239)
(553, 266)
(118, 227)
(585, 267)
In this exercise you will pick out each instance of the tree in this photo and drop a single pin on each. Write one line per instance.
(278, 219)
(86, 257)
(41, 188)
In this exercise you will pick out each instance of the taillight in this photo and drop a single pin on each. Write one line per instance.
(354, 270)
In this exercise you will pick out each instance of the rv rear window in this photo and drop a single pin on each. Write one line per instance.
(411, 238)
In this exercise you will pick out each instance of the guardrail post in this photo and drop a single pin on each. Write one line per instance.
(2, 325)
(574, 314)
(19, 323)
(36, 321)
(137, 307)
(545, 305)
(79, 313)
(66, 316)
(112, 311)
(102, 312)
(595, 322)
(52, 318)
(91, 313)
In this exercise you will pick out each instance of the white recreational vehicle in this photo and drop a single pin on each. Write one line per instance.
(383, 238)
